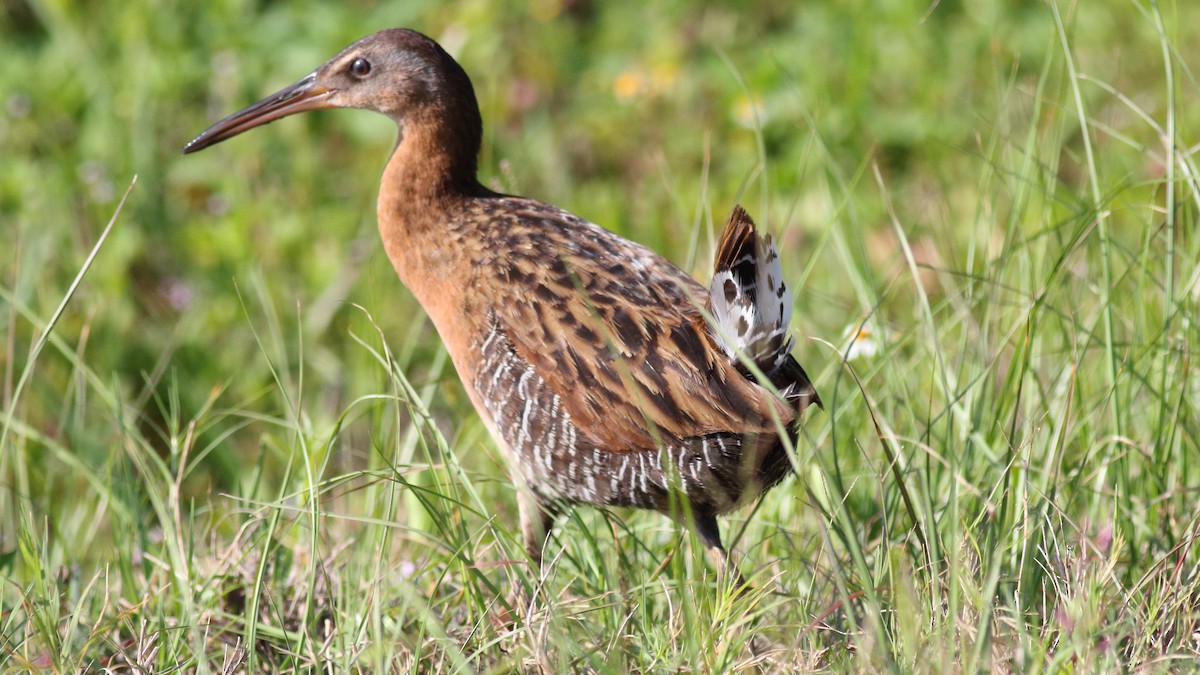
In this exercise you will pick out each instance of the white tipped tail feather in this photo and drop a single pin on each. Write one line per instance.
(750, 309)
(751, 305)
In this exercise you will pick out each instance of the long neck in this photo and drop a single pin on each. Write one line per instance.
(429, 177)
(423, 180)
(426, 187)
(434, 163)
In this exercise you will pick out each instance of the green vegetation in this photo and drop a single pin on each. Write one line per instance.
(242, 446)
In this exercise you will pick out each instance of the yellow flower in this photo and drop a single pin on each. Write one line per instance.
(628, 85)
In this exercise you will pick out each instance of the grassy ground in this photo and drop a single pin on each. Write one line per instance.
(242, 447)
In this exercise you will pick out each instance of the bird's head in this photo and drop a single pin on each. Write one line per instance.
(398, 72)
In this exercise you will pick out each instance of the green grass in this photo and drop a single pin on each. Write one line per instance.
(232, 441)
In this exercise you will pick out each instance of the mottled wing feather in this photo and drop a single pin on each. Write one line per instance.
(559, 465)
(615, 331)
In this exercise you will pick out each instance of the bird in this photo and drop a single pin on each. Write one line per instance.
(606, 374)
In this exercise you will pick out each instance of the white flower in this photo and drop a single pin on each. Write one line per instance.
(863, 340)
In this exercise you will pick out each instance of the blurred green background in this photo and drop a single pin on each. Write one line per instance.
(230, 289)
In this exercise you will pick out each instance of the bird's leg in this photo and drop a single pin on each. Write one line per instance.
(710, 534)
(537, 518)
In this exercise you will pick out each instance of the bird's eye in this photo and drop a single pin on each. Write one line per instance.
(360, 67)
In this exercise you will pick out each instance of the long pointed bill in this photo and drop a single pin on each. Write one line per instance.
(307, 94)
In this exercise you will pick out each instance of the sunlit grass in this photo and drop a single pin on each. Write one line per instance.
(242, 445)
